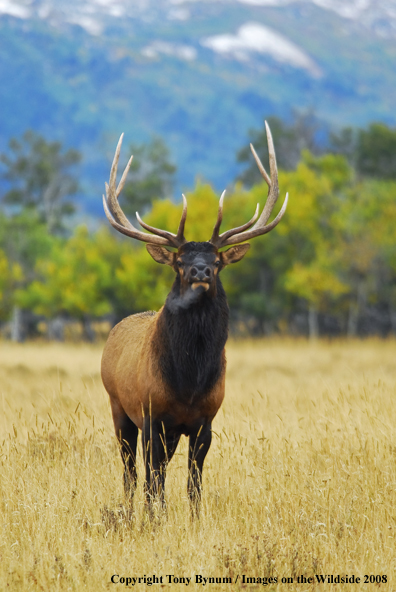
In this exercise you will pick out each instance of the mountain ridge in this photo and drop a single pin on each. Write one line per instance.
(149, 72)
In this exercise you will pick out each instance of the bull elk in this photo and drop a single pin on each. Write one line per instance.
(165, 371)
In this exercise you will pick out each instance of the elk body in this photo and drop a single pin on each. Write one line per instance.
(165, 371)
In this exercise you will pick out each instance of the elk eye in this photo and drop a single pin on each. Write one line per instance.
(179, 264)
(217, 263)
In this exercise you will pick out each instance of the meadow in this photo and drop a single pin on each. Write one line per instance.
(300, 479)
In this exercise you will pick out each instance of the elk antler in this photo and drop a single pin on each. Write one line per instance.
(241, 233)
(117, 218)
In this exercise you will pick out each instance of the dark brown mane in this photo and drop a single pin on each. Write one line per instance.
(191, 342)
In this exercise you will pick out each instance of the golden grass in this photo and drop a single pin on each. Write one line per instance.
(300, 478)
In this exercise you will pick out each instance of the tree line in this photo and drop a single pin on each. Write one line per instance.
(328, 268)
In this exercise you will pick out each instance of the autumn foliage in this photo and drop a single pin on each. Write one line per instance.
(329, 266)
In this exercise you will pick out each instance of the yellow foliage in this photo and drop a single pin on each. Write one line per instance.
(201, 214)
(334, 232)
(314, 283)
(74, 280)
(141, 281)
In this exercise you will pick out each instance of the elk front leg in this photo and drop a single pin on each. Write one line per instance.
(199, 444)
(155, 459)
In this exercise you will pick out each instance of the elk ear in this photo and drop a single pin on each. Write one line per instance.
(234, 254)
(161, 255)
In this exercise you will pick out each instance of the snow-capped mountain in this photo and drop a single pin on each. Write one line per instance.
(377, 15)
(197, 72)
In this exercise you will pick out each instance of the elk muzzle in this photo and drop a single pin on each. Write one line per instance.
(200, 274)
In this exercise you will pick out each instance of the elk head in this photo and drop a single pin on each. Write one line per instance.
(196, 264)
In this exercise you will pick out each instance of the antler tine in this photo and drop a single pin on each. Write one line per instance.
(120, 222)
(260, 166)
(245, 226)
(112, 192)
(114, 166)
(257, 230)
(271, 225)
(244, 233)
(133, 232)
(273, 192)
(215, 234)
(128, 231)
(176, 239)
(124, 176)
(180, 231)
(217, 239)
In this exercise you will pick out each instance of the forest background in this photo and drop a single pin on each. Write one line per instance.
(329, 268)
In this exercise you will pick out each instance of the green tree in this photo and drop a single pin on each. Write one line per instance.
(23, 239)
(11, 274)
(376, 151)
(40, 176)
(311, 235)
(366, 249)
(77, 279)
(371, 152)
(344, 142)
(290, 140)
(334, 252)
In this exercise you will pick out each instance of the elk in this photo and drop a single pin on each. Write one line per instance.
(165, 371)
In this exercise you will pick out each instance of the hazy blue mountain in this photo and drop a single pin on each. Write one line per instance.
(198, 73)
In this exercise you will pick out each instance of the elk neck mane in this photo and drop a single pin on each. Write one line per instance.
(191, 341)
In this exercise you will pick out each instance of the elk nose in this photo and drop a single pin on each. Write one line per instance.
(200, 273)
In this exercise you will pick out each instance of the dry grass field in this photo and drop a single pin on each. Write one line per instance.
(300, 479)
